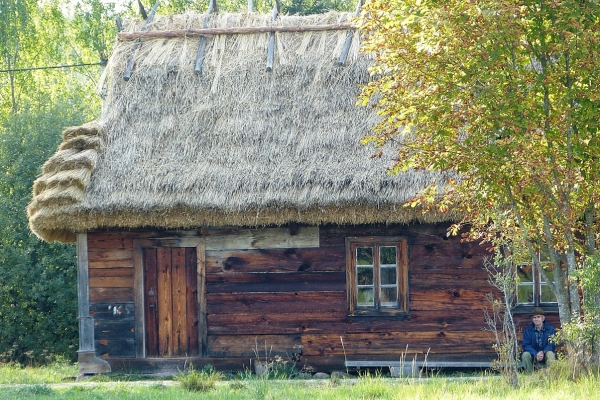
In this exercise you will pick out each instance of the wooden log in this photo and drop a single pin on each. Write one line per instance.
(325, 322)
(235, 303)
(276, 282)
(242, 30)
(111, 264)
(111, 272)
(107, 311)
(107, 348)
(117, 329)
(289, 260)
(110, 254)
(397, 342)
(259, 346)
(111, 281)
(104, 241)
(111, 295)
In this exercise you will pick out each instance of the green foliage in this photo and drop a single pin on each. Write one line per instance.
(200, 381)
(502, 96)
(303, 7)
(95, 28)
(38, 316)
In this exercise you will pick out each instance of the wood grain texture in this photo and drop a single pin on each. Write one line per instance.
(295, 299)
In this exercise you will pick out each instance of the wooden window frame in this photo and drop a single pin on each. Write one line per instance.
(401, 275)
(537, 286)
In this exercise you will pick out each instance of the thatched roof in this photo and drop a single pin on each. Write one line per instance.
(232, 146)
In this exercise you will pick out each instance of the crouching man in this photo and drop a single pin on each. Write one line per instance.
(537, 344)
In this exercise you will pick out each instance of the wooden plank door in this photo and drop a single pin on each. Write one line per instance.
(171, 302)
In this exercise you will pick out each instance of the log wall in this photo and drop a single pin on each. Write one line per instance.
(292, 302)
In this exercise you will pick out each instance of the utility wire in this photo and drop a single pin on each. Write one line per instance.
(51, 67)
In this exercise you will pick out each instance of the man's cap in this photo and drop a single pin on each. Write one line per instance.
(537, 311)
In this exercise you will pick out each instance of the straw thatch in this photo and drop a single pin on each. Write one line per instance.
(234, 145)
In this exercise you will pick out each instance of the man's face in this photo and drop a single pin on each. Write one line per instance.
(538, 320)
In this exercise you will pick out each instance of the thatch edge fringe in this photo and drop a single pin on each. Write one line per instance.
(61, 224)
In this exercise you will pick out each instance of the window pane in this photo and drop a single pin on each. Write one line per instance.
(389, 296)
(364, 275)
(364, 256)
(387, 255)
(388, 275)
(525, 294)
(365, 297)
(547, 295)
(525, 273)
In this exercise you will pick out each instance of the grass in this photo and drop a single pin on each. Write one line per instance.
(53, 382)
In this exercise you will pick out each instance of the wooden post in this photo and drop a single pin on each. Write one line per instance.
(271, 50)
(349, 36)
(212, 7)
(129, 67)
(88, 362)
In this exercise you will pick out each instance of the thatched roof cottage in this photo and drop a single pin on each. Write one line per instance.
(223, 204)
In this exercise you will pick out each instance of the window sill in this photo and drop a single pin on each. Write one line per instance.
(383, 312)
(528, 308)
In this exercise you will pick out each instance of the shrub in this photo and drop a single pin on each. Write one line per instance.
(199, 381)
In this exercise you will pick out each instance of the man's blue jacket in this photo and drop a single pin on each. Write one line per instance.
(530, 344)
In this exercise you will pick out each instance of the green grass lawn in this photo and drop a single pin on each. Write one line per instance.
(56, 382)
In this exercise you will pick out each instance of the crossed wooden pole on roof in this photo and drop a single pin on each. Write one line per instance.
(206, 31)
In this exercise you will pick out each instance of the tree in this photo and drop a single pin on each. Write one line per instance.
(502, 96)
(38, 287)
(303, 7)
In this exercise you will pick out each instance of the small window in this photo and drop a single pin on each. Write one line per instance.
(377, 275)
(532, 289)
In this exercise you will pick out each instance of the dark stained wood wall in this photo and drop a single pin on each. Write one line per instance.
(111, 293)
(292, 302)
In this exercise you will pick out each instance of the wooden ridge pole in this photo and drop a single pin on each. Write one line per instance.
(171, 34)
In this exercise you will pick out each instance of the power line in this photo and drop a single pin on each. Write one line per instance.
(52, 67)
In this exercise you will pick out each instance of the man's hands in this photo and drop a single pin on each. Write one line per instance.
(539, 356)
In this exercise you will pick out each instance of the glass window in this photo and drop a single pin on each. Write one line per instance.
(377, 275)
(532, 289)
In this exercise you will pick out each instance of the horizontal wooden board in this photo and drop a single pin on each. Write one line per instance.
(264, 238)
(115, 347)
(111, 295)
(423, 282)
(106, 311)
(276, 282)
(258, 346)
(302, 302)
(110, 254)
(110, 272)
(98, 241)
(324, 322)
(448, 300)
(115, 329)
(290, 260)
(397, 343)
(111, 281)
(111, 264)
